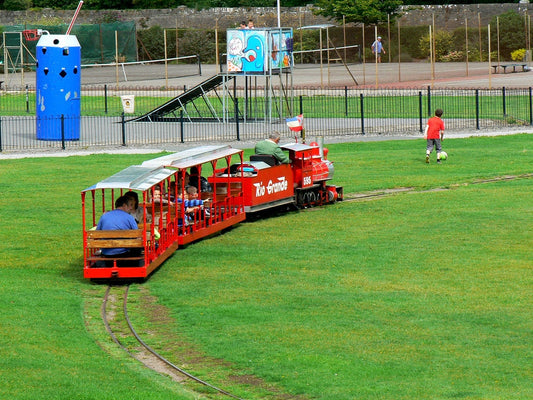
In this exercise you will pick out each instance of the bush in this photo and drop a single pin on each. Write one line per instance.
(17, 5)
(453, 56)
(444, 45)
(201, 42)
(511, 27)
(151, 43)
(518, 55)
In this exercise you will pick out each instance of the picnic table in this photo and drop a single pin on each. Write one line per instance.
(513, 65)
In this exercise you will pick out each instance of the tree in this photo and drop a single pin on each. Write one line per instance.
(512, 33)
(358, 11)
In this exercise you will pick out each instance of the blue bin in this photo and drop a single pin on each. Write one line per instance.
(58, 83)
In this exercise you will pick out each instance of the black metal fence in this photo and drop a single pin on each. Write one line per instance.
(327, 112)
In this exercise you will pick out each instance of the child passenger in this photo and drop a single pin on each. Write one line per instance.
(135, 211)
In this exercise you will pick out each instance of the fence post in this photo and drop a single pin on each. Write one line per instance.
(1, 135)
(477, 109)
(530, 108)
(420, 116)
(27, 101)
(63, 131)
(236, 104)
(123, 129)
(181, 125)
(429, 101)
(247, 105)
(362, 114)
(199, 65)
(105, 98)
(301, 105)
(346, 100)
(503, 100)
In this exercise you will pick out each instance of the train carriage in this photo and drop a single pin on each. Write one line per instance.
(165, 221)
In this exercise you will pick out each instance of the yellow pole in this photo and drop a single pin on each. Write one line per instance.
(399, 54)
(364, 61)
(388, 36)
(321, 70)
(376, 53)
(479, 30)
(434, 48)
(116, 56)
(466, 44)
(431, 55)
(498, 38)
(216, 42)
(490, 69)
(166, 57)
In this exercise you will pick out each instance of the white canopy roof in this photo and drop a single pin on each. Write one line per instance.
(191, 157)
(135, 177)
(150, 172)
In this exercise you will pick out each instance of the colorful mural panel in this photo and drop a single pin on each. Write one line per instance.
(247, 50)
(255, 51)
(281, 47)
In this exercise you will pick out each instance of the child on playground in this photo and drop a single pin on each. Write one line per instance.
(434, 134)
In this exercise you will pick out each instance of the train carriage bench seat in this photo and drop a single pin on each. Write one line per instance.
(106, 239)
(513, 65)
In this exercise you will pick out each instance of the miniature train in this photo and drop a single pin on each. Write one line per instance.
(229, 187)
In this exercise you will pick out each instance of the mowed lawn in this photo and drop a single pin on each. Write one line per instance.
(423, 294)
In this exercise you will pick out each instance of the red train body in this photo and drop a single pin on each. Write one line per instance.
(233, 188)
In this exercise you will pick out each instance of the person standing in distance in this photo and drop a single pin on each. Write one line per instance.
(377, 48)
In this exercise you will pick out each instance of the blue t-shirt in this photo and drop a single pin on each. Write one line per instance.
(116, 220)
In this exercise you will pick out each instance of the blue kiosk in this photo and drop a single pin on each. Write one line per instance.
(58, 83)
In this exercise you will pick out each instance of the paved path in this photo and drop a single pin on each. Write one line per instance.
(394, 75)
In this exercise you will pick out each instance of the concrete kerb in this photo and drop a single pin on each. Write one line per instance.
(247, 144)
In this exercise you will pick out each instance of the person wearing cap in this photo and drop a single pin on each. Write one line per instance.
(377, 48)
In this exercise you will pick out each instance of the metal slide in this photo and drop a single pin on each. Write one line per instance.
(169, 112)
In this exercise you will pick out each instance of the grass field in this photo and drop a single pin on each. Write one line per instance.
(422, 294)
(392, 105)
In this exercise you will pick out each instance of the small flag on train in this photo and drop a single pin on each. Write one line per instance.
(296, 124)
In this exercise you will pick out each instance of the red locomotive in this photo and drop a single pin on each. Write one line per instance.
(227, 188)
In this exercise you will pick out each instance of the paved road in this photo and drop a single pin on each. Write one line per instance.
(394, 75)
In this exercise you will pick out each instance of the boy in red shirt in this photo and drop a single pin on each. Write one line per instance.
(435, 133)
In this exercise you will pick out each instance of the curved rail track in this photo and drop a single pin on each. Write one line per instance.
(156, 357)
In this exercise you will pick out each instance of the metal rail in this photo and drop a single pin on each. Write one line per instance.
(146, 346)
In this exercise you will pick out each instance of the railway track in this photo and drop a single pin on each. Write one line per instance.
(115, 318)
(388, 192)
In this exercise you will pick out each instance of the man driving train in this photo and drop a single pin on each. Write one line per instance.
(271, 147)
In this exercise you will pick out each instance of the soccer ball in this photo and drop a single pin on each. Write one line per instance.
(443, 155)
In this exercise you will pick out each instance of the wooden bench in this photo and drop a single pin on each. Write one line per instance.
(514, 66)
(127, 238)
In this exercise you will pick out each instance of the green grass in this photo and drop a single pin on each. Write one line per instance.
(424, 294)
(382, 106)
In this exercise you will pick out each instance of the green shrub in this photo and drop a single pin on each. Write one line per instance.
(518, 55)
(453, 56)
(199, 41)
(16, 5)
(151, 43)
(511, 32)
(444, 44)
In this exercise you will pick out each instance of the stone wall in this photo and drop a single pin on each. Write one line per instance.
(446, 16)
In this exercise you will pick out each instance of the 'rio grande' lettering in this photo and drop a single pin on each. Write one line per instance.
(272, 187)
